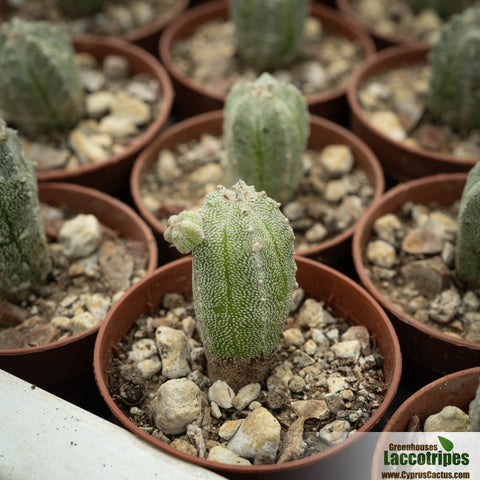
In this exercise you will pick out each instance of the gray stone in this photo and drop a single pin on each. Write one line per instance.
(173, 347)
(429, 276)
(246, 395)
(80, 236)
(221, 393)
(449, 419)
(176, 404)
(335, 432)
(381, 253)
(337, 160)
(348, 349)
(445, 306)
(222, 454)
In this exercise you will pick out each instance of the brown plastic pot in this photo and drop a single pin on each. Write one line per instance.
(322, 133)
(145, 37)
(382, 40)
(457, 389)
(72, 356)
(111, 175)
(192, 98)
(426, 346)
(399, 161)
(345, 297)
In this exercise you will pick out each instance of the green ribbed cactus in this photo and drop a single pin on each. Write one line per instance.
(82, 7)
(445, 8)
(40, 87)
(266, 128)
(243, 278)
(467, 259)
(474, 412)
(269, 33)
(454, 92)
(24, 260)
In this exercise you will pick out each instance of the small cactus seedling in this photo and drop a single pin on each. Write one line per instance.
(40, 87)
(467, 260)
(266, 128)
(269, 32)
(24, 259)
(454, 92)
(243, 278)
(83, 7)
(444, 8)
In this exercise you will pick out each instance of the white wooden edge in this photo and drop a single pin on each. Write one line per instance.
(43, 437)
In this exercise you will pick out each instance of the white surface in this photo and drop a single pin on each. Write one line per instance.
(43, 437)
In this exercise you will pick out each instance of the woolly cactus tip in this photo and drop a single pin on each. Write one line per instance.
(40, 85)
(184, 231)
(266, 127)
(454, 89)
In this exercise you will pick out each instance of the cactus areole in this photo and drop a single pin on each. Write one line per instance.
(266, 128)
(40, 84)
(243, 278)
(24, 259)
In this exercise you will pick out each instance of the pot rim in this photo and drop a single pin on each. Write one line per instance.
(219, 9)
(249, 469)
(143, 164)
(412, 53)
(118, 46)
(113, 203)
(362, 233)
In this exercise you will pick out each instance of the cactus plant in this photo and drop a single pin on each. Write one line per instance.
(454, 91)
(243, 278)
(40, 87)
(84, 7)
(269, 32)
(266, 128)
(24, 259)
(467, 260)
(444, 8)
(474, 412)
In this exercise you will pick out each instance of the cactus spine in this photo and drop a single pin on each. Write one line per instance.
(40, 87)
(467, 260)
(243, 279)
(83, 7)
(266, 128)
(269, 32)
(24, 260)
(444, 8)
(454, 91)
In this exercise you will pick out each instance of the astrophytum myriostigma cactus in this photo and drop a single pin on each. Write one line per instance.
(24, 260)
(467, 260)
(266, 128)
(454, 91)
(269, 33)
(444, 8)
(243, 278)
(82, 7)
(40, 86)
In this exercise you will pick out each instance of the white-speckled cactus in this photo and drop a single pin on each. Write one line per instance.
(454, 92)
(243, 278)
(24, 259)
(474, 412)
(80, 7)
(40, 86)
(467, 259)
(266, 128)
(445, 8)
(269, 32)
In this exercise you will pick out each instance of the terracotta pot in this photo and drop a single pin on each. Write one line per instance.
(344, 296)
(382, 40)
(192, 98)
(426, 346)
(62, 360)
(323, 132)
(399, 161)
(146, 37)
(457, 389)
(111, 175)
